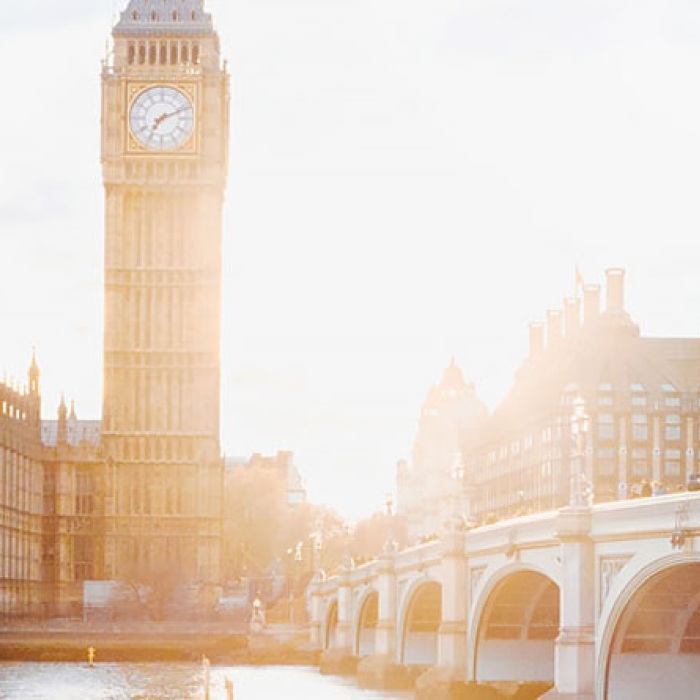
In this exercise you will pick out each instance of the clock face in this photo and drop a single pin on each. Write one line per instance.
(162, 118)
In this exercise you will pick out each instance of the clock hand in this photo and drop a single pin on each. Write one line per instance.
(166, 115)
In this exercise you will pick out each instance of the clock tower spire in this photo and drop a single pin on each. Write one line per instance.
(164, 160)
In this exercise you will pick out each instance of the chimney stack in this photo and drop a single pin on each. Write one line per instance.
(536, 340)
(591, 303)
(615, 277)
(554, 327)
(572, 314)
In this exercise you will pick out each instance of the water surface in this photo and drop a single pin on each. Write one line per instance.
(35, 681)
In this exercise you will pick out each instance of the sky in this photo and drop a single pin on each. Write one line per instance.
(409, 181)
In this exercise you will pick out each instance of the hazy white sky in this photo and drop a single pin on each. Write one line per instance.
(409, 181)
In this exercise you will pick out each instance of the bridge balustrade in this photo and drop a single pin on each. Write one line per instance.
(600, 602)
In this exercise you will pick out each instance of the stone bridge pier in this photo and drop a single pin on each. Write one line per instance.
(583, 603)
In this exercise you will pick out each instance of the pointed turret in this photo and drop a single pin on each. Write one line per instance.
(156, 17)
(453, 378)
(62, 437)
(34, 375)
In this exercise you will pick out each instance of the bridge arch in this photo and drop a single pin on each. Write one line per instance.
(514, 625)
(650, 632)
(365, 627)
(419, 622)
(330, 624)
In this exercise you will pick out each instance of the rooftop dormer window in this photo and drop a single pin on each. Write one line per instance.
(154, 16)
(134, 15)
(176, 16)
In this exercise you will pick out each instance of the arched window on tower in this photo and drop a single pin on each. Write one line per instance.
(154, 16)
(131, 53)
(142, 53)
(163, 53)
(185, 53)
(195, 54)
(176, 16)
(152, 54)
(194, 15)
(134, 15)
(173, 53)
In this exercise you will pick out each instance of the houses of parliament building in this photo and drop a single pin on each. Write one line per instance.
(137, 495)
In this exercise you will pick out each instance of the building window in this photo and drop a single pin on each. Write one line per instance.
(82, 558)
(673, 463)
(640, 429)
(673, 427)
(606, 460)
(640, 462)
(639, 400)
(606, 426)
(83, 497)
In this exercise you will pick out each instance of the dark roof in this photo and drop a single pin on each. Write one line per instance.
(77, 431)
(154, 17)
(610, 356)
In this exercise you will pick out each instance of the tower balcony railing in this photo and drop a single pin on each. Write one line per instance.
(158, 72)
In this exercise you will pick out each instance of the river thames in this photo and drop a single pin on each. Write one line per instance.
(36, 681)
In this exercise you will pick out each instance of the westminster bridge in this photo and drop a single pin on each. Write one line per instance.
(586, 602)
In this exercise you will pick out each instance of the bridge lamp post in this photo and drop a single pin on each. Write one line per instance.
(458, 473)
(390, 545)
(316, 538)
(579, 429)
(389, 503)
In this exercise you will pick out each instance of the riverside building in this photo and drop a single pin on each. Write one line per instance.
(639, 400)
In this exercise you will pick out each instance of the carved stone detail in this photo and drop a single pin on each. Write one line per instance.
(609, 568)
(475, 576)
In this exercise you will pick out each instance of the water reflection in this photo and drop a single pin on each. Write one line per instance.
(27, 681)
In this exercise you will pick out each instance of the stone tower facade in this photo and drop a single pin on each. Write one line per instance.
(450, 420)
(164, 156)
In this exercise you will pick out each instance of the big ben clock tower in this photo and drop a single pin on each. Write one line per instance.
(164, 157)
